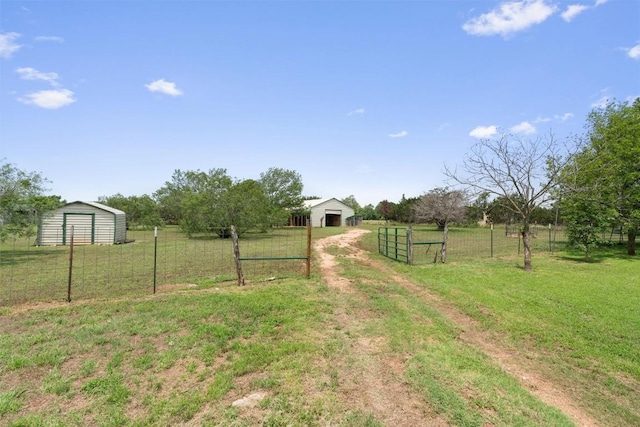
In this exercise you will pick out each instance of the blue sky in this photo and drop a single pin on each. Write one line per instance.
(363, 98)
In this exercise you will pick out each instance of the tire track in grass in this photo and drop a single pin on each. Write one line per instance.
(514, 363)
(369, 382)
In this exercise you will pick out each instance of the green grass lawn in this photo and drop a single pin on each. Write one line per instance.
(581, 318)
(184, 357)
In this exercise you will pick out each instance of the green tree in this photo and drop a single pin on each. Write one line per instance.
(585, 220)
(169, 197)
(613, 168)
(404, 211)
(601, 183)
(246, 206)
(212, 202)
(141, 211)
(369, 212)
(200, 198)
(22, 200)
(352, 203)
(283, 188)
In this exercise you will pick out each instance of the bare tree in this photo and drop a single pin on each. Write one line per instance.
(442, 206)
(523, 172)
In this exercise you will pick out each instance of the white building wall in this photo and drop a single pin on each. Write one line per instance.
(321, 209)
(92, 222)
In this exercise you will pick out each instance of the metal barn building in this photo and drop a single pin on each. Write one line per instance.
(93, 223)
(328, 212)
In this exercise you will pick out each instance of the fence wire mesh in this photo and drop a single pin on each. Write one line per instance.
(30, 273)
(483, 242)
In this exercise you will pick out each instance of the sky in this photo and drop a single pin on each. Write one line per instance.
(363, 98)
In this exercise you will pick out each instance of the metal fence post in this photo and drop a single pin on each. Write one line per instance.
(308, 272)
(410, 245)
(491, 240)
(155, 257)
(70, 266)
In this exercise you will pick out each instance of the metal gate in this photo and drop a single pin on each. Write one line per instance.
(395, 243)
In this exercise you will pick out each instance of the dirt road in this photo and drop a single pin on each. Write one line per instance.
(376, 384)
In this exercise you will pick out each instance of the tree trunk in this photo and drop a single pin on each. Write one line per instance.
(631, 241)
(526, 242)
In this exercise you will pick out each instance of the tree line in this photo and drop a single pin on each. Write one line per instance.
(591, 183)
(212, 201)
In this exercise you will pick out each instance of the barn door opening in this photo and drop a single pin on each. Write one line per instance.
(333, 220)
(84, 228)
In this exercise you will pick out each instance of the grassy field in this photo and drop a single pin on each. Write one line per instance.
(184, 357)
(579, 320)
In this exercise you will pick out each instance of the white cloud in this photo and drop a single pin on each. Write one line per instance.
(542, 120)
(573, 11)
(564, 117)
(510, 18)
(8, 45)
(358, 111)
(55, 39)
(576, 9)
(524, 127)
(49, 99)
(163, 86)
(28, 73)
(484, 131)
(401, 134)
(633, 52)
(557, 117)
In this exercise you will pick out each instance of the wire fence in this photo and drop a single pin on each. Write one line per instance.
(465, 243)
(485, 242)
(168, 259)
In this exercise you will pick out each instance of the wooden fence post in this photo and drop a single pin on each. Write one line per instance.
(236, 255)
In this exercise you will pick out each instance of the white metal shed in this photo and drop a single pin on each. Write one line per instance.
(93, 223)
(328, 212)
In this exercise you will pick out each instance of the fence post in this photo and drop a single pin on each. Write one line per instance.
(492, 240)
(410, 245)
(395, 235)
(550, 250)
(70, 266)
(386, 241)
(155, 257)
(308, 272)
(236, 255)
